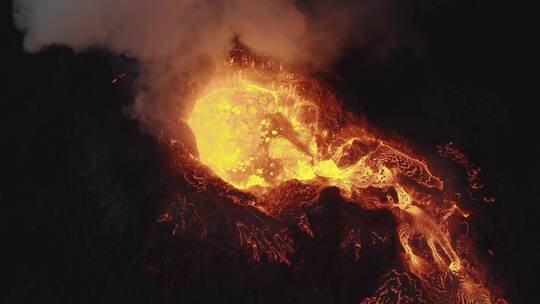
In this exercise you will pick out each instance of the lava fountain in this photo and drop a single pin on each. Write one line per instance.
(268, 132)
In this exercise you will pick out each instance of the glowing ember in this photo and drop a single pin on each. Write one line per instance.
(257, 127)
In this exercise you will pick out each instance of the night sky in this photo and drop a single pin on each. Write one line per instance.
(83, 186)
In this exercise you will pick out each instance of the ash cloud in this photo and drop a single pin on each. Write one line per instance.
(180, 40)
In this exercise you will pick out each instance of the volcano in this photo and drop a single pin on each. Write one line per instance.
(278, 145)
(395, 174)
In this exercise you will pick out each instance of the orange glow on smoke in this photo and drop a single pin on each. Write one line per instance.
(257, 127)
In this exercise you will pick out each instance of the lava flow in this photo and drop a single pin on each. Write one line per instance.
(269, 132)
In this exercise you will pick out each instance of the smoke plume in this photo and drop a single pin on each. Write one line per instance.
(177, 39)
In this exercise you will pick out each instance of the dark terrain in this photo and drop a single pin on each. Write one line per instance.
(83, 187)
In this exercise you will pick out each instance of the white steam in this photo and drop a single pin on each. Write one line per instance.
(173, 38)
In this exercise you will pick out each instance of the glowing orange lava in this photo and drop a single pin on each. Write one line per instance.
(258, 127)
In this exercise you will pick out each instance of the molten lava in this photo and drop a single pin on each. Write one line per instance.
(253, 135)
(256, 135)
(258, 127)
